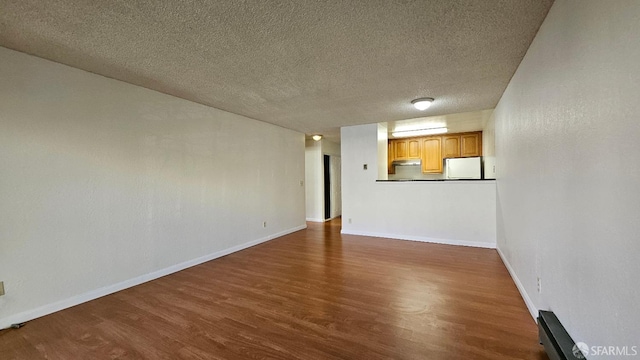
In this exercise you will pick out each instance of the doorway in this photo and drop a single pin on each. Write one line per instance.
(332, 187)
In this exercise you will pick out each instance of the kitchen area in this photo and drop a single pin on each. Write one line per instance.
(427, 179)
(436, 153)
(448, 157)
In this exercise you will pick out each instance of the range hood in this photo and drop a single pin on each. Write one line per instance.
(411, 162)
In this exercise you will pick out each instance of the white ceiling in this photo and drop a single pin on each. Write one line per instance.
(311, 66)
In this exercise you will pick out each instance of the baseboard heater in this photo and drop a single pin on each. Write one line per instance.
(555, 339)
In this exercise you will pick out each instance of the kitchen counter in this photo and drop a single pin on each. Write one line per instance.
(457, 212)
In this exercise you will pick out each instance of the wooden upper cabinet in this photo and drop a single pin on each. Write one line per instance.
(413, 149)
(433, 149)
(451, 146)
(462, 145)
(400, 149)
(471, 144)
(405, 149)
(432, 155)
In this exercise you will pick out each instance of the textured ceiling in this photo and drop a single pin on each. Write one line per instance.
(311, 66)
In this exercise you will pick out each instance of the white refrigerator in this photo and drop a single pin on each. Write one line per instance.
(463, 168)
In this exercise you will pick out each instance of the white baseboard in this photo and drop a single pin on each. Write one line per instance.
(323, 220)
(488, 245)
(527, 300)
(94, 294)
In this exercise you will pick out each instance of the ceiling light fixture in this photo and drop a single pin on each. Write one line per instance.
(421, 132)
(316, 137)
(422, 103)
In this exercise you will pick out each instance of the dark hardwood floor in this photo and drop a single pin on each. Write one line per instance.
(314, 294)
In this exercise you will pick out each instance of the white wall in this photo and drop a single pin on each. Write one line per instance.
(335, 172)
(333, 150)
(383, 152)
(568, 156)
(330, 148)
(489, 148)
(105, 184)
(458, 212)
(314, 175)
(314, 179)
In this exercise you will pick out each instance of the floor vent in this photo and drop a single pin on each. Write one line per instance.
(555, 339)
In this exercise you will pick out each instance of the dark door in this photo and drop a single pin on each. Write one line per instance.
(327, 187)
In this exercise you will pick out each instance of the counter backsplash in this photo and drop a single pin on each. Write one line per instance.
(413, 172)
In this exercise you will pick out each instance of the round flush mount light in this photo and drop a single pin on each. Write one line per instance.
(316, 137)
(422, 103)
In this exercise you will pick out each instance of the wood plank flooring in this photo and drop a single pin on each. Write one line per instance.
(314, 294)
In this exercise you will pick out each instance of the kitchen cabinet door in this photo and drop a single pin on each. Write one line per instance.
(413, 149)
(471, 144)
(432, 155)
(451, 146)
(400, 149)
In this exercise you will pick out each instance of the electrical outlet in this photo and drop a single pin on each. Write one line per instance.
(349, 220)
(1, 288)
(301, 182)
(539, 286)
(264, 224)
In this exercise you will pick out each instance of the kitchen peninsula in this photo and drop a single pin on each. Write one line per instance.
(457, 212)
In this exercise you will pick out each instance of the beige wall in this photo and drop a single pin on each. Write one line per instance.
(314, 178)
(568, 155)
(314, 175)
(105, 184)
